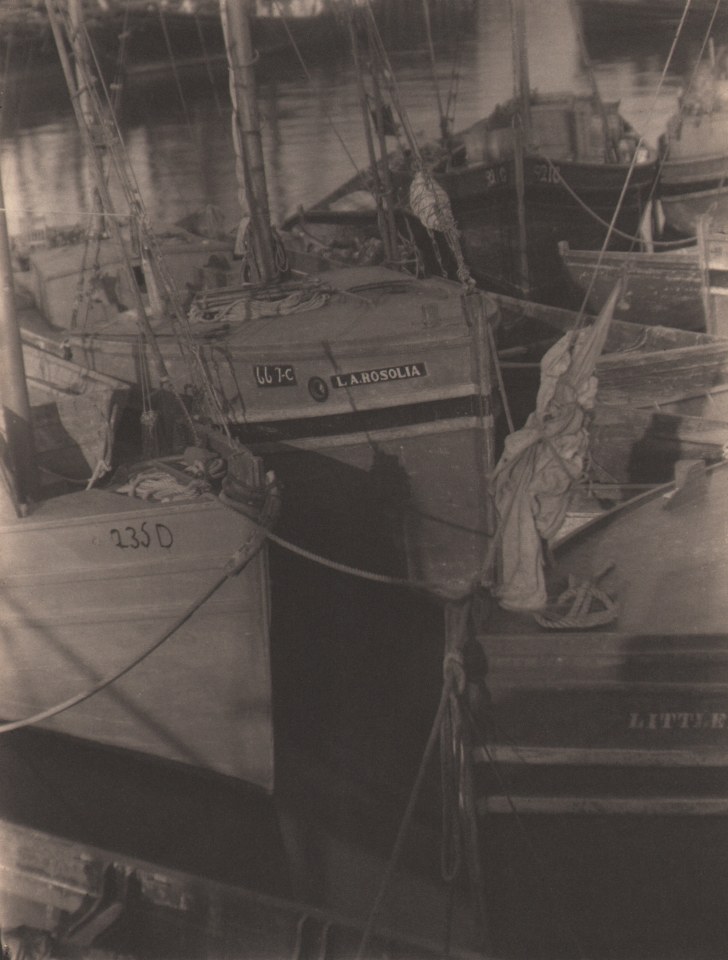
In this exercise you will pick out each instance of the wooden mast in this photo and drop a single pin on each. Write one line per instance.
(235, 16)
(85, 102)
(522, 132)
(16, 413)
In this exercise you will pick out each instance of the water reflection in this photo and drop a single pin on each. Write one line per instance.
(179, 141)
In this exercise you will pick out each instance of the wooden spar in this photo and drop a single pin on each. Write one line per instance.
(522, 131)
(444, 123)
(235, 15)
(103, 189)
(75, 17)
(18, 424)
(521, 79)
(386, 173)
(378, 189)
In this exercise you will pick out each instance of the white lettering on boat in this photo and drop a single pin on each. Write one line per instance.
(679, 720)
(406, 371)
(275, 374)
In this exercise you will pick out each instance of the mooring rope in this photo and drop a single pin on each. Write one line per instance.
(234, 566)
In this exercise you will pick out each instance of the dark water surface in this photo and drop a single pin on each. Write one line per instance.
(180, 142)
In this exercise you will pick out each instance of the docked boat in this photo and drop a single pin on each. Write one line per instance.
(663, 287)
(601, 750)
(542, 168)
(96, 581)
(683, 286)
(83, 900)
(616, 16)
(362, 387)
(693, 156)
(661, 395)
(138, 38)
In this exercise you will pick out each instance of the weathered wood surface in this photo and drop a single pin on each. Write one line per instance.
(662, 288)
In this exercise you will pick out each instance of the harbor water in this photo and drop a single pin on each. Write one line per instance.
(176, 122)
(346, 759)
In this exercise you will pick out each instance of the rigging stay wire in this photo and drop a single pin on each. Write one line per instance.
(639, 146)
(307, 73)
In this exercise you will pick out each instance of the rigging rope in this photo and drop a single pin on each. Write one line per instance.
(427, 192)
(615, 231)
(638, 147)
(447, 687)
(309, 78)
(175, 71)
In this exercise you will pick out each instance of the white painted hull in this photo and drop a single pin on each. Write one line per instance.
(89, 581)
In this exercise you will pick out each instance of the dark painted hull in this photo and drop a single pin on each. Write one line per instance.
(600, 754)
(564, 201)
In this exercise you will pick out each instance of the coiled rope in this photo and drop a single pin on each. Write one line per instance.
(580, 614)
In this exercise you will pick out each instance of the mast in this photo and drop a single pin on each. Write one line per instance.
(85, 102)
(104, 193)
(610, 152)
(521, 79)
(13, 387)
(385, 220)
(522, 131)
(235, 16)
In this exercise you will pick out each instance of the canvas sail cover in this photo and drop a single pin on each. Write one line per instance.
(542, 460)
(74, 409)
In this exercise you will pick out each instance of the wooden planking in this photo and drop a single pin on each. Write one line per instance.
(621, 806)
(601, 756)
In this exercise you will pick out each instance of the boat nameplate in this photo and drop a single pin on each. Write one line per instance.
(405, 371)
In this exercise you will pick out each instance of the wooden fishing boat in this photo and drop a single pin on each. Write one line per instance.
(542, 168)
(94, 580)
(364, 387)
(366, 391)
(664, 288)
(693, 158)
(622, 15)
(92, 902)
(693, 174)
(102, 563)
(681, 287)
(178, 36)
(601, 751)
(661, 395)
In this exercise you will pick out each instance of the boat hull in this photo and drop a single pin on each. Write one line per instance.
(386, 406)
(600, 753)
(659, 288)
(662, 392)
(393, 478)
(91, 580)
(693, 174)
